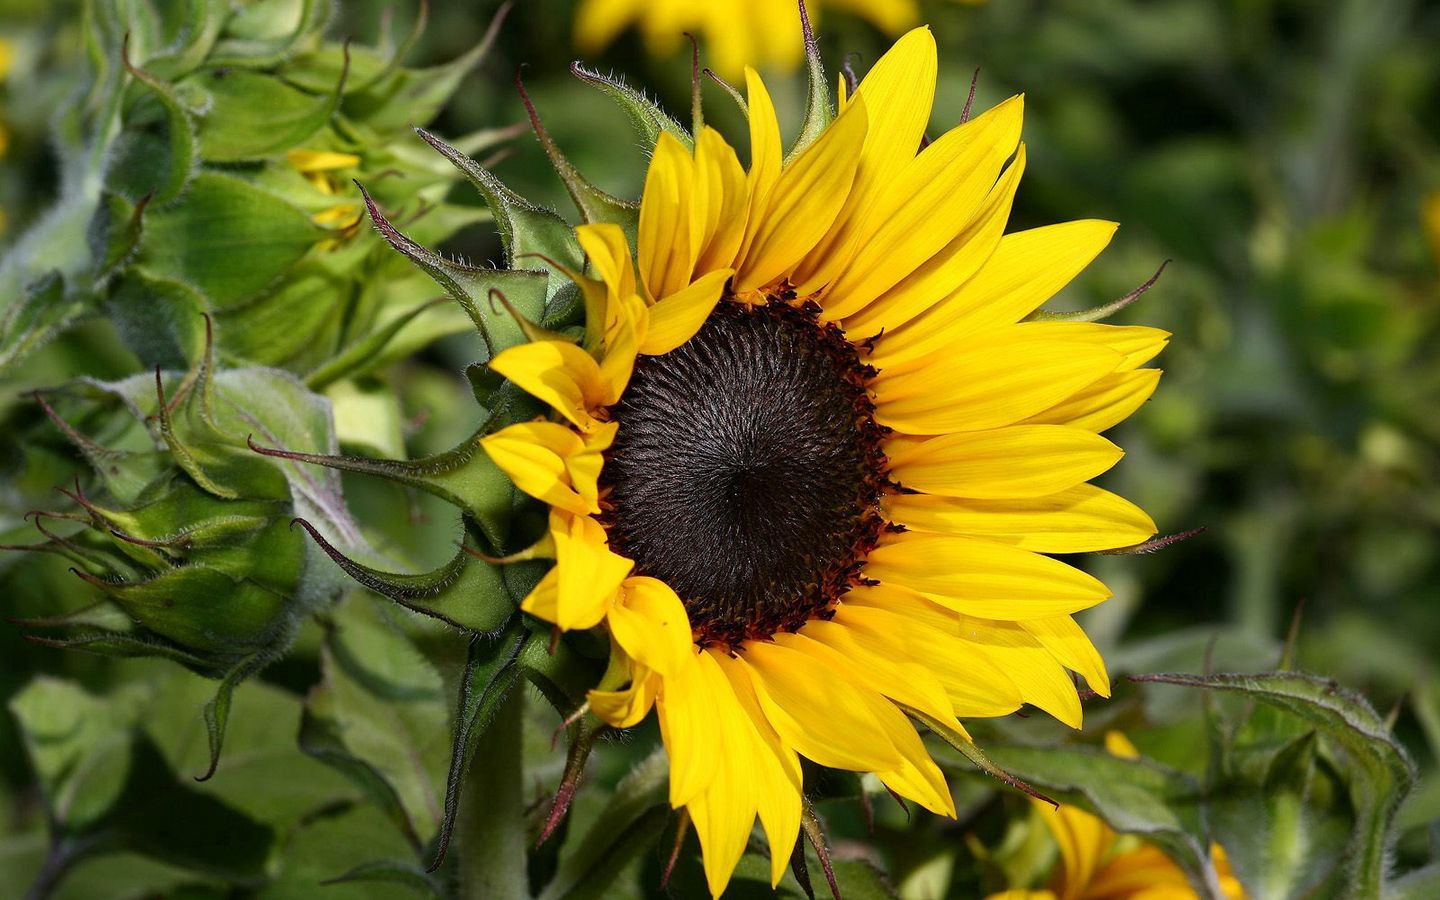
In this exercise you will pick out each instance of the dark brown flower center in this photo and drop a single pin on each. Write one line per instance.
(747, 471)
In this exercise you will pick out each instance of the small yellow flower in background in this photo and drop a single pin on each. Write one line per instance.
(1098, 864)
(734, 33)
(809, 458)
(319, 168)
(1430, 218)
(7, 57)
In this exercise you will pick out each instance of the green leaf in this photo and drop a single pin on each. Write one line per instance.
(1133, 796)
(645, 115)
(161, 818)
(630, 823)
(383, 746)
(252, 115)
(79, 746)
(40, 313)
(525, 229)
(1378, 771)
(229, 239)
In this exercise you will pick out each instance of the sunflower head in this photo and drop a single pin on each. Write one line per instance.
(806, 461)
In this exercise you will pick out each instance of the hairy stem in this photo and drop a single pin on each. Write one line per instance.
(491, 827)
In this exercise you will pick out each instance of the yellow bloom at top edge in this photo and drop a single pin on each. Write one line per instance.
(733, 33)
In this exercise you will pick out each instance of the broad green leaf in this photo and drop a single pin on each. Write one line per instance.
(159, 320)
(35, 317)
(79, 745)
(1378, 772)
(229, 239)
(392, 750)
(251, 115)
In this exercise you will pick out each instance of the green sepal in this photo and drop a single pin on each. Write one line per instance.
(37, 316)
(465, 592)
(251, 115)
(358, 358)
(114, 233)
(216, 711)
(180, 605)
(525, 229)
(251, 40)
(180, 137)
(470, 286)
(489, 677)
(230, 239)
(408, 96)
(818, 112)
(594, 204)
(648, 119)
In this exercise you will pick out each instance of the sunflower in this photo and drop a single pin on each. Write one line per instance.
(735, 32)
(807, 459)
(1098, 864)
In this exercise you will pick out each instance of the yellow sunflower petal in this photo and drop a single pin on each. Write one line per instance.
(950, 267)
(724, 812)
(543, 600)
(670, 225)
(1104, 403)
(598, 22)
(1084, 841)
(559, 373)
(674, 320)
(765, 153)
(729, 208)
(777, 771)
(1026, 269)
(995, 379)
(874, 663)
(689, 729)
(823, 717)
(928, 204)
(1017, 462)
(1063, 637)
(983, 578)
(589, 574)
(627, 707)
(1042, 681)
(1117, 744)
(804, 202)
(976, 686)
(1137, 344)
(552, 463)
(604, 245)
(651, 624)
(898, 94)
(1081, 519)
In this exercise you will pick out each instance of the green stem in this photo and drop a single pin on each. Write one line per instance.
(491, 826)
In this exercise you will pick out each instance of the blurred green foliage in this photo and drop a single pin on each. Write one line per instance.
(1279, 152)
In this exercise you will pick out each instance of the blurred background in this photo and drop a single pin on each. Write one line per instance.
(1282, 155)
